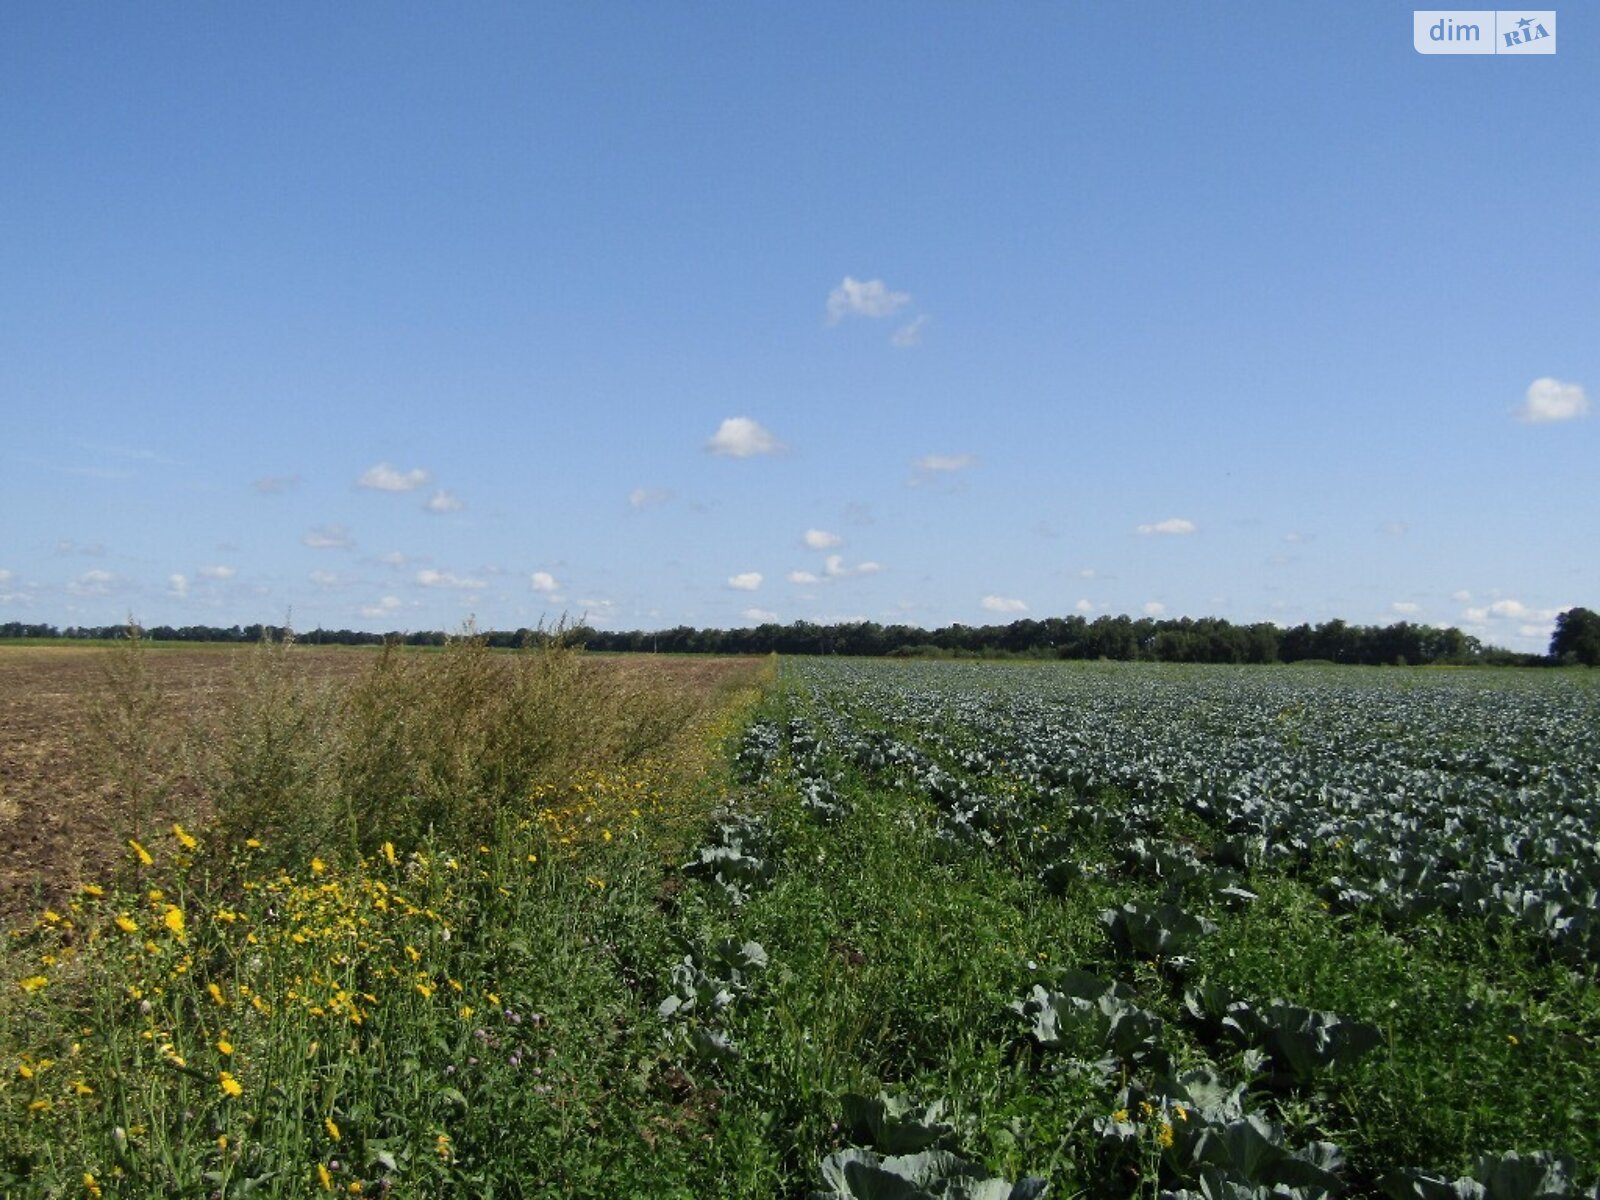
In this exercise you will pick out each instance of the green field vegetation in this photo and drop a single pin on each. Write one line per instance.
(885, 929)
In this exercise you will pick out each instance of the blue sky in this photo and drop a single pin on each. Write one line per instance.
(388, 315)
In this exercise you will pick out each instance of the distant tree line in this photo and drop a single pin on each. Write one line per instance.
(1122, 638)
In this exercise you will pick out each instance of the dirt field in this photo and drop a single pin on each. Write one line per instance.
(61, 817)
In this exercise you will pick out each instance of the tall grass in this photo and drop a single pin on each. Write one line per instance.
(387, 963)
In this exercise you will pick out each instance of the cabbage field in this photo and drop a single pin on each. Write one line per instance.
(1133, 930)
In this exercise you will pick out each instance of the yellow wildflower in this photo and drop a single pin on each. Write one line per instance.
(1164, 1135)
(318, 866)
(388, 853)
(173, 920)
(216, 995)
(224, 1046)
(127, 924)
(80, 1088)
(91, 1184)
(24, 1070)
(230, 1085)
(425, 990)
(185, 839)
(33, 983)
(325, 1179)
(333, 1130)
(142, 853)
(93, 889)
(252, 844)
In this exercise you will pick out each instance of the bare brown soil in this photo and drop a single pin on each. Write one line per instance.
(62, 821)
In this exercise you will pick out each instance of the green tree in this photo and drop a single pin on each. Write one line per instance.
(1577, 638)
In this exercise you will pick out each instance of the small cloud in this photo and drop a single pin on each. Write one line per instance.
(327, 537)
(1087, 573)
(324, 578)
(909, 334)
(868, 568)
(543, 581)
(218, 572)
(443, 502)
(1298, 538)
(821, 539)
(1154, 608)
(91, 550)
(384, 478)
(642, 497)
(92, 583)
(1171, 527)
(740, 437)
(1550, 400)
(393, 559)
(945, 462)
(760, 614)
(177, 585)
(444, 579)
(1394, 529)
(864, 298)
(802, 577)
(1405, 608)
(1510, 608)
(747, 581)
(386, 606)
(275, 485)
(1003, 604)
(1083, 606)
(6, 576)
(1461, 597)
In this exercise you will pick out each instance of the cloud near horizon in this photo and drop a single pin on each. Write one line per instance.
(1548, 400)
(381, 477)
(1171, 527)
(869, 298)
(1003, 604)
(740, 437)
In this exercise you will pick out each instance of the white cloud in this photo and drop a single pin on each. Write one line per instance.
(327, 537)
(1172, 527)
(909, 334)
(642, 497)
(747, 581)
(92, 583)
(6, 576)
(177, 585)
(383, 608)
(760, 614)
(740, 437)
(324, 578)
(1461, 597)
(834, 565)
(1512, 610)
(1087, 573)
(1405, 608)
(543, 581)
(384, 478)
(1534, 631)
(1003, 604)
(802, 577)
(1154, 608)
(393, 559)
(864, 298)
(1552, 400)
(218, 572)
(945, 462)
(443, 502)
(821, 539)
(1298, 538)
(868, 568)
(1083, 606)
(444, 579)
